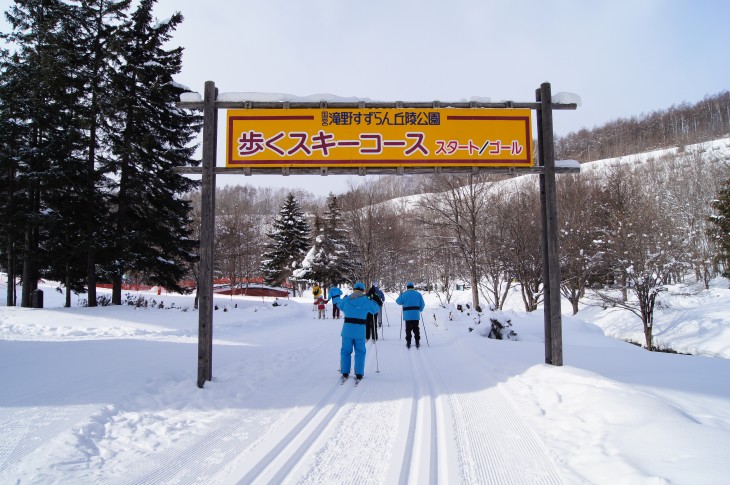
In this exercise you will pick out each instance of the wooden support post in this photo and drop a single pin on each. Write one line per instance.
(207, 225)
(548, 199)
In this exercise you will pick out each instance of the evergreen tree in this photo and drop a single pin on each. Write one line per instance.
(98, 41)
(306, 270)
(150, 229)
(10, 222)
(333, 262)
(75, 201)
(721, 231)
(38, 88)
(289, 242)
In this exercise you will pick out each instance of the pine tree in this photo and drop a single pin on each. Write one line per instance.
(98, 41)
(10, 222)
(78, 199)
(333, 261)
(721, 230)
(306, 271)
(150, 227)
(289, 242)
(38, 88)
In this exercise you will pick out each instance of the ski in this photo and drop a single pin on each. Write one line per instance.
(357, 382)
(343, 379)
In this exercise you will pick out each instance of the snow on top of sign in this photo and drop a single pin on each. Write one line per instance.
(330, 98)
(567, 163)
(566, 98)
(281, 97)
(191, 97)
(559, 98)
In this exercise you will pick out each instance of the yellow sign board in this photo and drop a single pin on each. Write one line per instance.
(438, 137)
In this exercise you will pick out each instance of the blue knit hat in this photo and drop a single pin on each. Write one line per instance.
(410, 284)
(359, 286)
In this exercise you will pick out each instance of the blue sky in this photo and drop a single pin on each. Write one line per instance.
(623, 57)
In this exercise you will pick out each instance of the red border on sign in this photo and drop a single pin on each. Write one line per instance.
(371, 163)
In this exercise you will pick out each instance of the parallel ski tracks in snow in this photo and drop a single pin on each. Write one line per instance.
(494, 445)
(198, 458)
(433, 415)
(273, 464)
(436, 433)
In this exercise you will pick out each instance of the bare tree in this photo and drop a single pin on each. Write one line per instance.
(239, 235)
(524, 250)
(494, 249)
(581, 261)
(640, 253)
(457, 204)
(441, 261)
(384, 235)
(684, 184)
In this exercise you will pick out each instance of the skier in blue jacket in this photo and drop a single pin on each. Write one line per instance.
(413, 304)
(356, 307)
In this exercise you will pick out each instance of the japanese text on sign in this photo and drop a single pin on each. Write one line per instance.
(392, 137)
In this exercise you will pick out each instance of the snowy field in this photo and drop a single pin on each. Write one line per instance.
(109, 395)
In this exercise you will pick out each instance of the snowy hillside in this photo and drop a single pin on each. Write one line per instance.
(709, 151)
(108, 395)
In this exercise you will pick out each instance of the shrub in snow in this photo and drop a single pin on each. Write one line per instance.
(499, 330)
(102, 300)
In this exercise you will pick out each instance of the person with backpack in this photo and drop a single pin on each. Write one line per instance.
(371, 327)
(335, 309)
(356, 307)
(413, 304)
(321, 306)
(381, 295)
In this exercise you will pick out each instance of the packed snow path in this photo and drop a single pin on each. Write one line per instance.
(412, 422)
(109, 395)
(274, 413)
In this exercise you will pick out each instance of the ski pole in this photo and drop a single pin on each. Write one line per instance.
(424, 331)
(386, 314)
(377, 365)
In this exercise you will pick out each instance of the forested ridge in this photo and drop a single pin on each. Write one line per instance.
(678, 125)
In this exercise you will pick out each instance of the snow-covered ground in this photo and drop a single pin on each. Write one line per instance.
(109, 395)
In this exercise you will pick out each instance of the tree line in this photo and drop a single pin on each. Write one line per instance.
(679, 125)
(89, 135)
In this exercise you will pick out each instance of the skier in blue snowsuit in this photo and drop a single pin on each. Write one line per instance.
(356, 307)
(413, 305)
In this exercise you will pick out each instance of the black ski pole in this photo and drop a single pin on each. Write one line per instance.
(377, 365)
(424, 331)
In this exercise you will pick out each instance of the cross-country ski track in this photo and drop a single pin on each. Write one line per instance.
(404, 424)
(429, 415)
